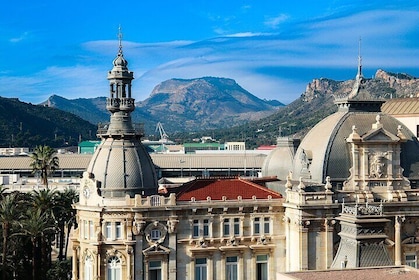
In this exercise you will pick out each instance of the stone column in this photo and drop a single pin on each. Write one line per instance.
(223, 266)
(210, 267)
(397, 240)
(129, 251)
(137, 230)
(328, 247)
(172, 230)
(303, 261)
(75, 264)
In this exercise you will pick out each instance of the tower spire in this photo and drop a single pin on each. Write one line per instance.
(120, 39)
(359, 59)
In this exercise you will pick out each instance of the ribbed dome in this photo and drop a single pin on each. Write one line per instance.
(326, 148)
(120, 61)
(123, 166)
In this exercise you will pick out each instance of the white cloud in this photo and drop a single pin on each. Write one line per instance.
(274, 22)
(259, 62)
(22, 37)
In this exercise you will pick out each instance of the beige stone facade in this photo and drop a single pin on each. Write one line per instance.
(142, 237)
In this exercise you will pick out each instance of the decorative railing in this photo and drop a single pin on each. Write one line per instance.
(360, 210)
(103, 128)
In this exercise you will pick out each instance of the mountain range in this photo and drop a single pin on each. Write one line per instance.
(182, 105)
(314, 104)
(208, 106)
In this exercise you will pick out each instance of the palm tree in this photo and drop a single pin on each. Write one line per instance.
(9, 214)
(36, 225)
(65, 217)
(46, 202)
(44, 161)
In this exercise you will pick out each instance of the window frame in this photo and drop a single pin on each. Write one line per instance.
(114, 268)
(261, 225)
(157, 268)
(262, 267)
(202, 268)
(232, 268)
(88, 267)
(413, 261)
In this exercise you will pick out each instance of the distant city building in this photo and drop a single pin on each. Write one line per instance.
(235, 146)
(88, 147)
(210, 146)
(14, 151)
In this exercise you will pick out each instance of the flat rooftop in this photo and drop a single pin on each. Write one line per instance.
(364, 273)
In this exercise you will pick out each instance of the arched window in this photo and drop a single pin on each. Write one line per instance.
(114, 268)
(88, 268)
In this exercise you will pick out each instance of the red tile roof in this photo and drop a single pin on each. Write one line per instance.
(266, 147)
(216, 188)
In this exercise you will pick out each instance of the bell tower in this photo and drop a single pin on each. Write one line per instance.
(120, 102)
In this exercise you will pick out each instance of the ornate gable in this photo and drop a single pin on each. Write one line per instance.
(376, 173)
(380, 135)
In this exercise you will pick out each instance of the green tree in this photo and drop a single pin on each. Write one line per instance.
(9, 215)
(65, 217)
(36, 226)
(44, 161)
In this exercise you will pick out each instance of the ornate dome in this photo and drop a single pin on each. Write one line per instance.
(121, 167)
(120, 61)
(324, 151)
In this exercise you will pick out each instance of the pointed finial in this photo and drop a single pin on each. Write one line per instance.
(120, 39)
(359, 58)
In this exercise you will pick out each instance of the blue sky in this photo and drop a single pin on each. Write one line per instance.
(272, 48)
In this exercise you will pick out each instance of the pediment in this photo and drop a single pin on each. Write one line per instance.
(379, 135)
(156, 249)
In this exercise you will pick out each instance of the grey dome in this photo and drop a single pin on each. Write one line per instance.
(324, 150)
(329, 154)
(121, 167)
(120, 61)
(279, 162)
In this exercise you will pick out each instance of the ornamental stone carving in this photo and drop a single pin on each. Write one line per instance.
(137, 227)
(378, 165)
(155, 233)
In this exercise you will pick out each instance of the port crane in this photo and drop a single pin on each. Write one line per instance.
(163, 135)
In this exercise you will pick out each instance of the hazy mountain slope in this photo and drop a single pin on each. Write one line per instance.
(315, 103)
(27, 125)
(182, 105)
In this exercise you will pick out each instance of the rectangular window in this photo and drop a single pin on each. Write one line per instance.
(91, 230)
(206, 227)
(226, 227)
(108, 230)
(118, 232)
(231, 268)
(195, 228)
(155, 270)
(236, 226)
(256, 226)
(85, 229)
(266, 225)
(201, 269)
(262, 267)
(155, 234)
(411, 260)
